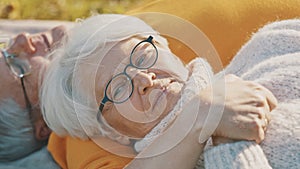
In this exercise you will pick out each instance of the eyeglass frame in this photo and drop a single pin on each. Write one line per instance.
(21, 77)
(106, 99)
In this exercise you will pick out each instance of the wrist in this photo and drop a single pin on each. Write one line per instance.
(211, 115)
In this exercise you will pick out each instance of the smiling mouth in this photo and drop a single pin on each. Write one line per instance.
(46, 41)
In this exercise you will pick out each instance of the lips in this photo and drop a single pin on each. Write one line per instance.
(159, 93)
(158, 97)
(40, 43)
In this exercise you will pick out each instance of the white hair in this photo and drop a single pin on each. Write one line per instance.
(68, 92)
(17, 132)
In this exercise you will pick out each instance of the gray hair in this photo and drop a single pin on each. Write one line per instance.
(67, 96)
(17, 132)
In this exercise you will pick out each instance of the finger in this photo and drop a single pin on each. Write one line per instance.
(271, 99)
(254, 130)
(246, 128)
(266, 121)
(261, 135)
(254, 112)
(261, 123)
(262, 104)
(267, 111)
(268, 117)
(262, 129)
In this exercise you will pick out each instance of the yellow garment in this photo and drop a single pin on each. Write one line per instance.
(71, 153)
(227, 23)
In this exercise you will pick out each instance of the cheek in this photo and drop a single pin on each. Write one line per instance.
(41, 49)
(129, 110)
(127, 126)
(173, 68)
(38, 63)
(137, 102)
(38, 67)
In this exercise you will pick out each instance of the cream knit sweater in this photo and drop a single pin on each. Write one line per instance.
(271, 58)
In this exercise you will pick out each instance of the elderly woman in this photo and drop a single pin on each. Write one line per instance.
(116, 78)
(23, 131)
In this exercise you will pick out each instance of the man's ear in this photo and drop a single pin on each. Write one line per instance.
(42, 131)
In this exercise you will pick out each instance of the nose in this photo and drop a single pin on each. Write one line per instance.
(57, 33)
(143, 81)
(22, 43)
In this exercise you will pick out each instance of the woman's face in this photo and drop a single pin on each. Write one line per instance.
(31, 48)
(155, 93)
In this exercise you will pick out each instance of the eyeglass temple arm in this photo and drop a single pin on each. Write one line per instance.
(149, 39)
(101, 107)
(104, 100)
(28, 104)
(21, 76)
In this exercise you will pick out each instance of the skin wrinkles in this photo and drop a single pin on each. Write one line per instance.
(149, 86)
(31, 48)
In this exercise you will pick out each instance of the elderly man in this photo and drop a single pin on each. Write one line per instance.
(23, 132)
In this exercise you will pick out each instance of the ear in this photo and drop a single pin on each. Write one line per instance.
(42, 131)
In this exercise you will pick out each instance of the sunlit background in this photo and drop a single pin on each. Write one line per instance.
(62, 9)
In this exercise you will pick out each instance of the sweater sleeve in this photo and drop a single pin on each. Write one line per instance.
(238, 155)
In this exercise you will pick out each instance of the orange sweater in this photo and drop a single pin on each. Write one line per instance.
(71, 153)
(227, 23)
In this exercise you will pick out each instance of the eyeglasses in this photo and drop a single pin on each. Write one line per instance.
(120, 87)
(20, 68)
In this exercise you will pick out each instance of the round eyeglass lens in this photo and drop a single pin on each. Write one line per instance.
(119, 88)
(18, 66)
(144, 55)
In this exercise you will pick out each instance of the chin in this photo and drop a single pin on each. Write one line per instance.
(172, 96)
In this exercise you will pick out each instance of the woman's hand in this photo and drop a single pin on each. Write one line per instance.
(246, 108)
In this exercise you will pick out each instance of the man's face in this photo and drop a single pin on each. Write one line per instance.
(32, 49)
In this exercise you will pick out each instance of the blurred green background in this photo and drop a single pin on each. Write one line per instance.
(62, 9)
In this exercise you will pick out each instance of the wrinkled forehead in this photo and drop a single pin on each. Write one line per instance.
(120, 52)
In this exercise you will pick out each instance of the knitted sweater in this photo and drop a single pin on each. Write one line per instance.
(271, 58)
